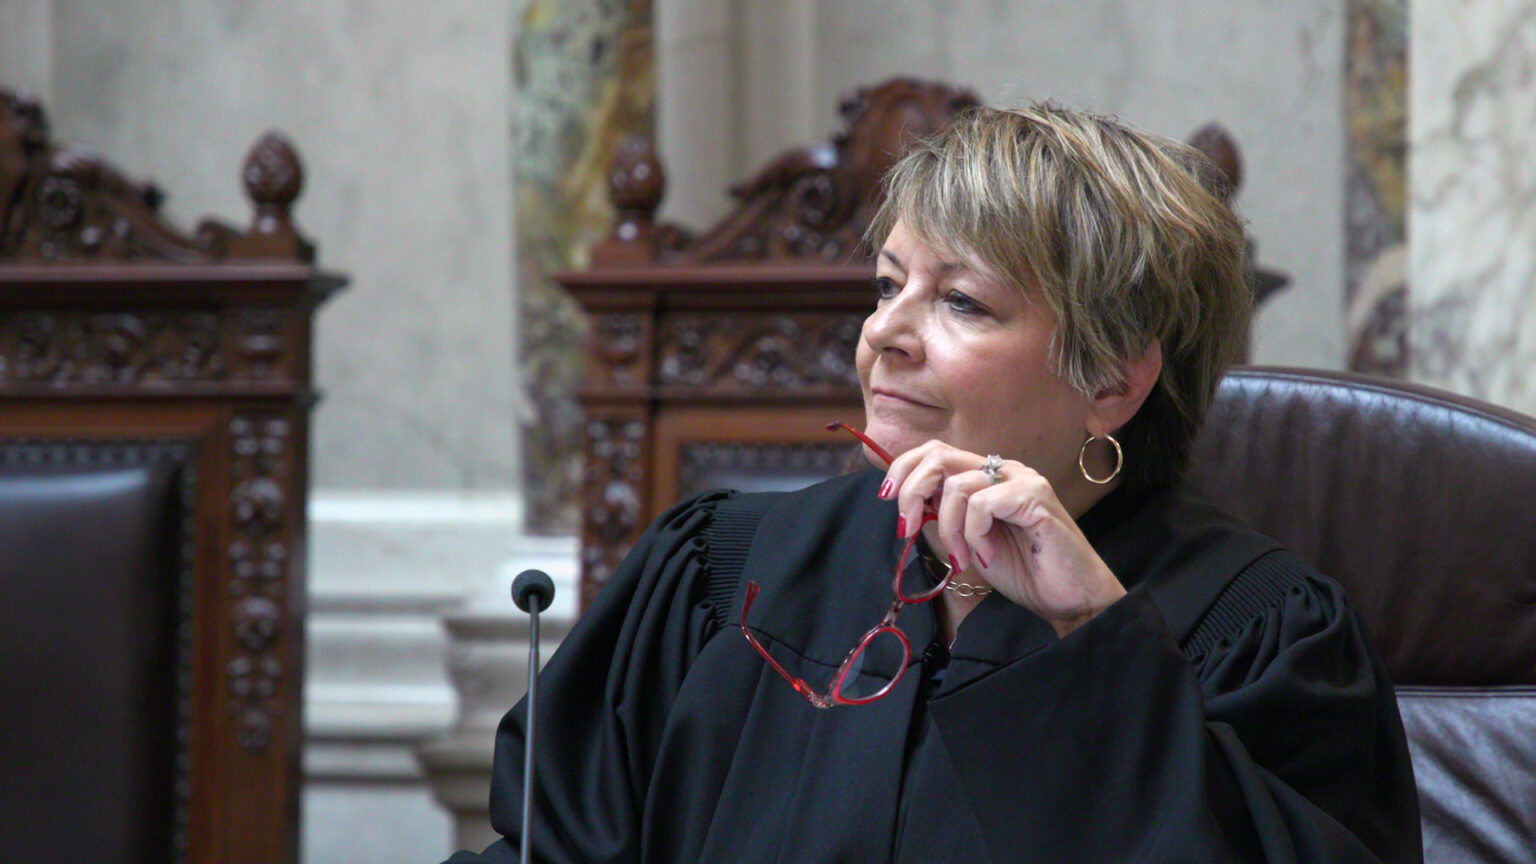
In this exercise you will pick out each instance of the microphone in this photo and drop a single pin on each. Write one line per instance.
(533, 586)
(532, 591)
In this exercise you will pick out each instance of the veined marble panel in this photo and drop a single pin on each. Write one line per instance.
(1472, 217)
(1376, 191)
(583, 80)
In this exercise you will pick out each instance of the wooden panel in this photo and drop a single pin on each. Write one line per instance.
(755, 448)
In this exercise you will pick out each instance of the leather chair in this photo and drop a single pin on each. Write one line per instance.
(88, 585)
(1423, 504)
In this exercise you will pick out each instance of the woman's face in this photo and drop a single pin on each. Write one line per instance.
(953, 354)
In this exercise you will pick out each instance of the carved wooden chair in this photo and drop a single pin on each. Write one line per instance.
(154, 404)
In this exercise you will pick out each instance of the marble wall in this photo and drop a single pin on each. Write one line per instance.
(26, 46)
(1472, 217)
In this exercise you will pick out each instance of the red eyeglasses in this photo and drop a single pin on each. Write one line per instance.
(880, 658)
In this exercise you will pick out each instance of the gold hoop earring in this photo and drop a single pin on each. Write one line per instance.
(1119, 459)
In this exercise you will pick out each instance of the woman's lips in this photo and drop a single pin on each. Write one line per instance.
(896, 398)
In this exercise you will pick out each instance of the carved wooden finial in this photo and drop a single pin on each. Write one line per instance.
(1223, 174)
(636, 184)
(273, 175)
(1221, 149)
(273, 179)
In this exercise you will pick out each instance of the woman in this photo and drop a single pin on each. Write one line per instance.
(1112, 670)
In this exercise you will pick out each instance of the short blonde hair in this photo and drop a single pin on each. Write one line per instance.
(1122, 234)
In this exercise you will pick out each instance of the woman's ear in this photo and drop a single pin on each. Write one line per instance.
(1113, 407)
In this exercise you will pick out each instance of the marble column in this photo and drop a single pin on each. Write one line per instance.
(1472, 216)
(583, 80)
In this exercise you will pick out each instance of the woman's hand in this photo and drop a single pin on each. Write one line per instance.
(1016, 533)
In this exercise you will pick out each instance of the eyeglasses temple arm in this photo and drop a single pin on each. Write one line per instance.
(820, 700)
(885, 457)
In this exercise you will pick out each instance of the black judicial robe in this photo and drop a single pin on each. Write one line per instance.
(1271, 735)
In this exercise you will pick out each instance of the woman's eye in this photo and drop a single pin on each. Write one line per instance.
(964, 304)
(885, 287)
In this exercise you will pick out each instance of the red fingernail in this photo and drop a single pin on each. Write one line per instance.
(981, 559)
(954, 564)
(885, 488)
(901, 526)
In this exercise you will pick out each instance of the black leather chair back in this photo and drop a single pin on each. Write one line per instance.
(89, 593)
(1423, 504)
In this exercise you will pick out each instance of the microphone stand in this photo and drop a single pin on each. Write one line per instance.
(532, 591)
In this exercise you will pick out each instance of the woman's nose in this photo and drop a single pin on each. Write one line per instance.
(894, 328)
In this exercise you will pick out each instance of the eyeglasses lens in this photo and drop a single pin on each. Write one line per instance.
(918, 583)
(876, 665)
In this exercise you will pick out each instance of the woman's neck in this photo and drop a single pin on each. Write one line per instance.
(950, 610)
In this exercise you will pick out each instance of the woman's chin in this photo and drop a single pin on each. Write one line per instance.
(896, 440)
(874, 460)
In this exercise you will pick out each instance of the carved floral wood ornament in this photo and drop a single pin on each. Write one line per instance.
(116, 329)
(731, 348)
(62, 204)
